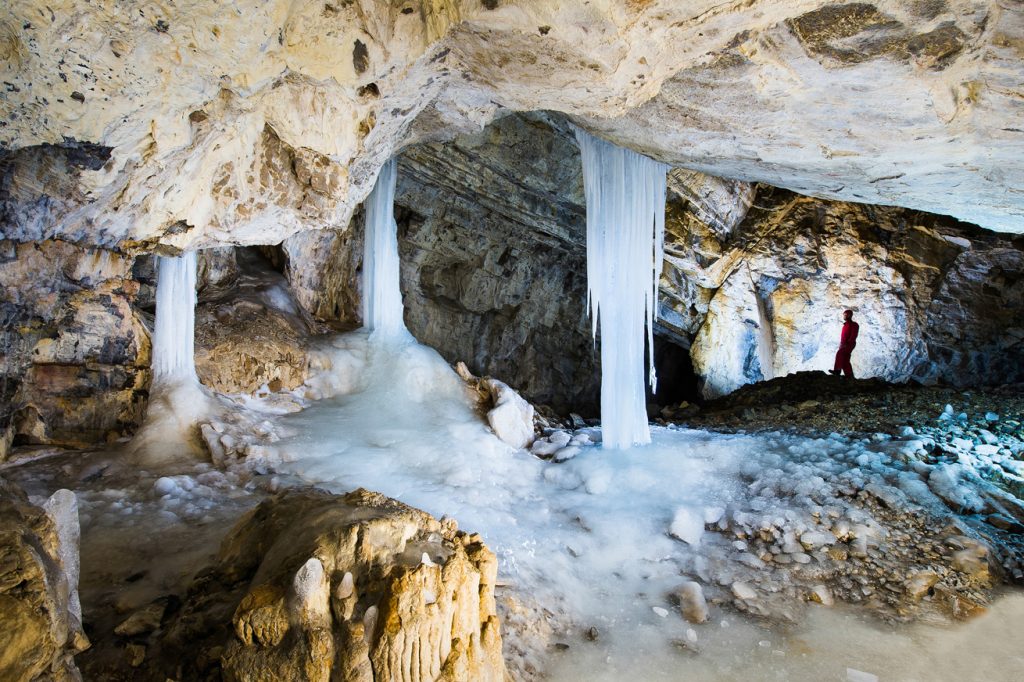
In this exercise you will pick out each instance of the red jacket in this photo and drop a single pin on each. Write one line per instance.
(848, 339)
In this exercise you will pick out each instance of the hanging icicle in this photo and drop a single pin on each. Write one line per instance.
(382, 296)
(174, 335)
(625, 195)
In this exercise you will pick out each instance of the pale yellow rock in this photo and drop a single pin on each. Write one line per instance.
(40, 627)
(199, 104)
(393, 615)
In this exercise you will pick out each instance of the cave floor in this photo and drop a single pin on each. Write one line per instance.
(809, 549)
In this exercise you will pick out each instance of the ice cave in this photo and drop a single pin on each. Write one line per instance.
(512, 341)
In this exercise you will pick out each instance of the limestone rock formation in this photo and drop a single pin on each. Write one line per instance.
(511, 417)
(186, 126)
(353, 587)
(766, 299)
(40, 617)
(74, 351)
(250, 333)
(492, 244)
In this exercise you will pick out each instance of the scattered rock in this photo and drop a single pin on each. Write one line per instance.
(692, 603)
(920, 584)
(136, 654)
(822, 595)
(143, 621)
(743, 591)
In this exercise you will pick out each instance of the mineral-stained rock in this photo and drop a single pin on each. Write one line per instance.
(250, 332)
(40, 619)
(691, 602)
(242, 345)
(74, 352)
(354, 587)
(492, 244)
(765, 300)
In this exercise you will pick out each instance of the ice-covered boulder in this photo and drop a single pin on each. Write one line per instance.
(511, 417)
(354, 587)
(40, 617)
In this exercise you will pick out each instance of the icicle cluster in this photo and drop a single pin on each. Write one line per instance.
(382, 297)
(625, 195)
(174, 336)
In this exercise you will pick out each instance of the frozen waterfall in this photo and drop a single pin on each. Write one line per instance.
(174, 336)
(382, 297)
(625, 195)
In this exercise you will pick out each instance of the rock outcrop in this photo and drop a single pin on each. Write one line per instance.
(40, 615)
(493, 272)
(200, 128)
(354, 587)
(75, 350)
(491, 235)
(766, 299)
(250, 333)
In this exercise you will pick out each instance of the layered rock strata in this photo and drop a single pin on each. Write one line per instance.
(75, 338)
(936, 300)
(75, 349)
(250, 333)
(353, 587)
(492, 245)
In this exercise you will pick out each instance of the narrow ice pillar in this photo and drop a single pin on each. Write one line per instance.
(382, 297)
(174, 336)
(625, 195)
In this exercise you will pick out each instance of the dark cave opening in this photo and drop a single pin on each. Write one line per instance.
(676, 379)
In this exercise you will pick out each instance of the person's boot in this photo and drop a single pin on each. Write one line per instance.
(833, 372)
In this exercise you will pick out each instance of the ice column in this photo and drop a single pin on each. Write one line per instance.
(382, 297)
(625, 195)
(174, 337)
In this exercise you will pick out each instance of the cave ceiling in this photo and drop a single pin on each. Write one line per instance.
(160, 126)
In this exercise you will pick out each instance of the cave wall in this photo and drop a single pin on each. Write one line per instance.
(492, 239)
(491, 234)
(936, 300)
(75, 351)
(492, 243)
(75, 337)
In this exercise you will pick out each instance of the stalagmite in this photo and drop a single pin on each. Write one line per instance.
(382, 297)
(625, 195)
(174, 335)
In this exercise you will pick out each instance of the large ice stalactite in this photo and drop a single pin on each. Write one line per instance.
(625, 195)
(174, 333)
(382, 296)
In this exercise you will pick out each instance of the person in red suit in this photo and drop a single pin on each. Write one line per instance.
(847, 342)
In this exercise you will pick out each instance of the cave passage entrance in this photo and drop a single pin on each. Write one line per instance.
(677, 382)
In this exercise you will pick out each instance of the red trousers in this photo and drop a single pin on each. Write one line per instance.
(843, 361)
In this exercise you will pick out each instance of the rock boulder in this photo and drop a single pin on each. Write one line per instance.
(40, 616)
(351, 587)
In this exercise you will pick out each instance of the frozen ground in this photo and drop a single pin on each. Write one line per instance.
(602, 539)
(592, 547)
